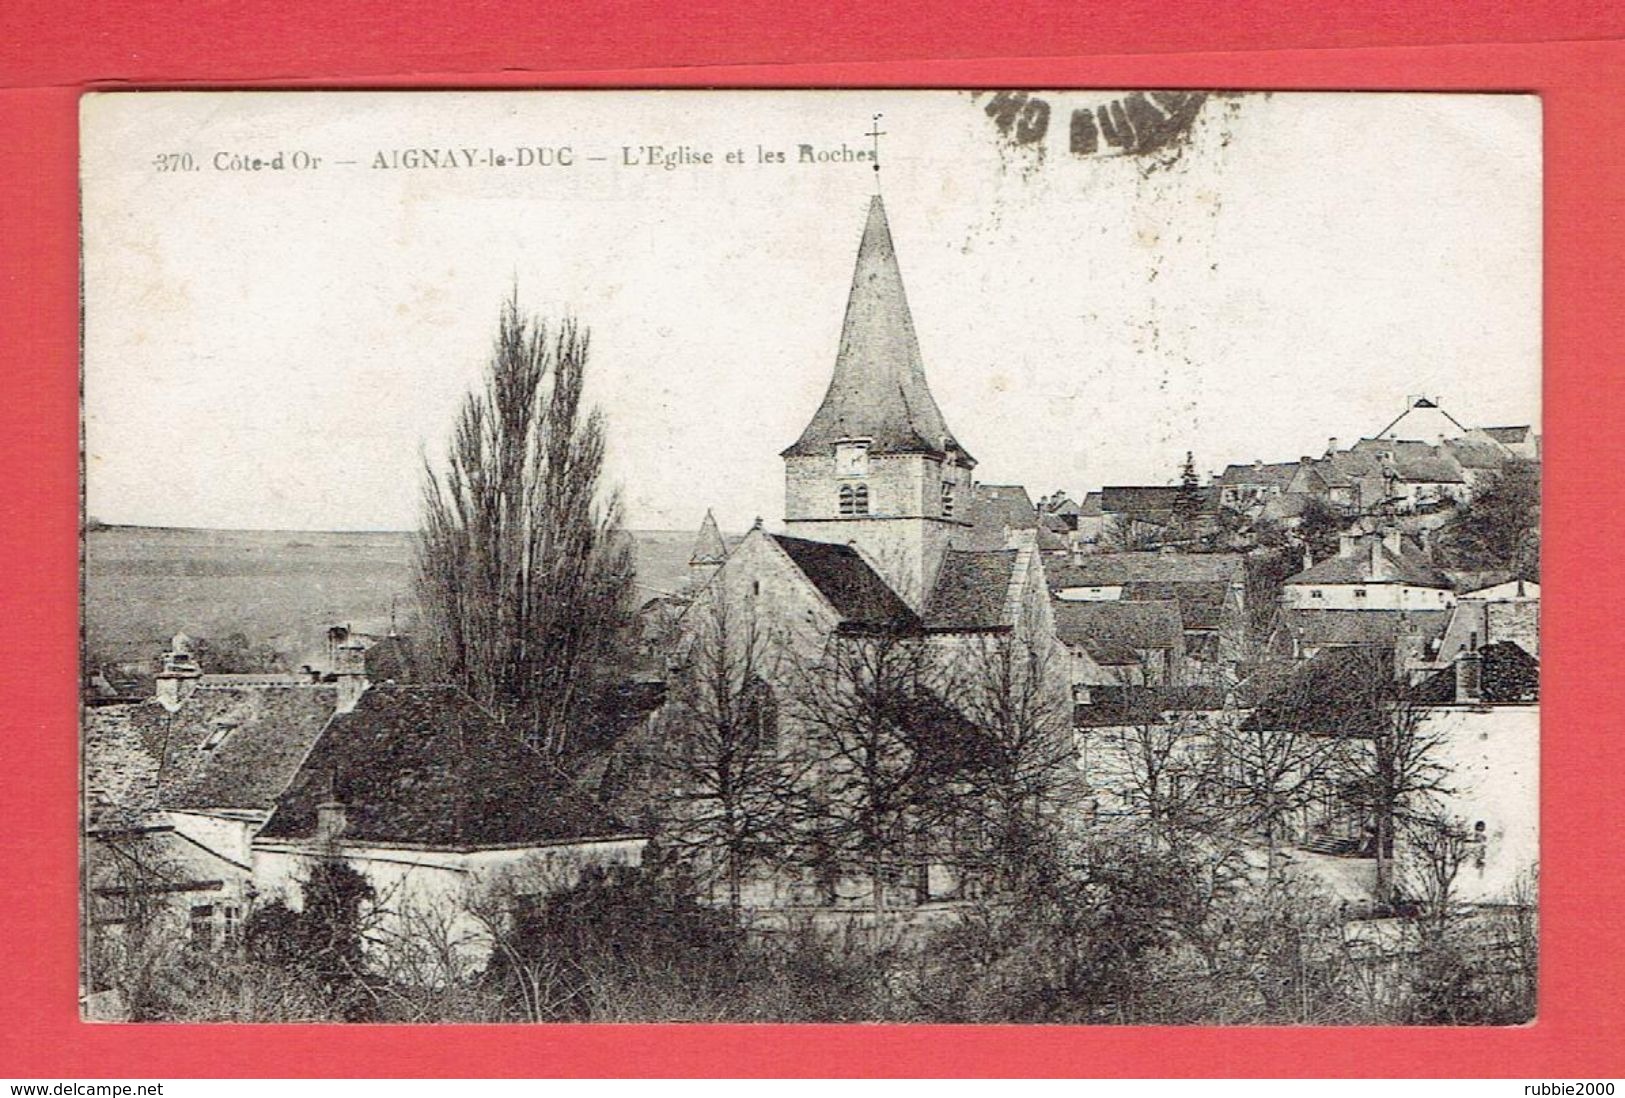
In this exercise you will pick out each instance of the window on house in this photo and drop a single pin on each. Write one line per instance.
(761, 717)
(1317, 594)
(220, 731)
(947, 500)
(232, 916)
(848, 499)
(201, 924)
(860, 500)
(1359, 592)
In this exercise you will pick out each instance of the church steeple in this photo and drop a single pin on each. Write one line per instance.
(877, 467)
(878, 391)
(708, 546)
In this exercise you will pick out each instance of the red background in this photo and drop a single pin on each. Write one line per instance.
(1571, 53)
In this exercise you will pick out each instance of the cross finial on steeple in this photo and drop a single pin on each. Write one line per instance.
(875, 134)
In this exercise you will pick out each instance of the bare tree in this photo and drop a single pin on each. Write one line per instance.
(1266, 772)
(1394, 769)
(1123, 534)
(1012, 687)
(523, 570)
(885, 750)
(1158, 766)
(734, 790)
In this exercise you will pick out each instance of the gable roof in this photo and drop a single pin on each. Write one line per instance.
(1005, 504)
(1373, 563)
(1116, 705)
(1113, 632)
(1509, 436)
(1091, 506)
(971, 591)
(1201, 604)
(427, 765)
(225, 747)
(861, 598)
(878, 390)
(1472, 453)
(1138, 499)
(1434, 468)
(1268, 475)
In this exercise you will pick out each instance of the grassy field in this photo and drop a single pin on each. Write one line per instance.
(282, 588)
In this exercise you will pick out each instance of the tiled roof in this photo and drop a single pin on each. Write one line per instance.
(1090, 508)
(1473, 454)
(427, 765)
(1338, 628)
(859, 595)
(393, 659)
(1114, 706)
(1509, 436)
(1427, 469)
(878, 390)
(121, 766)
(1201, 604)
(1382, 566)
(1341, 691)
(1101, 569)
(1005, 505)
(225, 747)
(1273, 475)
(1131, 500)
(1108, 630)
(971, 591)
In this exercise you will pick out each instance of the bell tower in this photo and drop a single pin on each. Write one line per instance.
(877, 466)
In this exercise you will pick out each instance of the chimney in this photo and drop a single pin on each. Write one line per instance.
(331, 819)
(180, 676)
(1331, 446)
(1376, 558)
(1394, 541)
(351, 674)
(1258, 465)
(1470, 675)
(1348, 545)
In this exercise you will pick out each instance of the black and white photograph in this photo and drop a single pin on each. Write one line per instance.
(864, 556)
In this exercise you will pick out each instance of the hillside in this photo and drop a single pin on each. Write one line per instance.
(142, 585)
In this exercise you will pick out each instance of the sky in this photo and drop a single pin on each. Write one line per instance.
(279, 349)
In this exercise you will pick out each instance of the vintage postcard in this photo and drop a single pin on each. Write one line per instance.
(787, 556)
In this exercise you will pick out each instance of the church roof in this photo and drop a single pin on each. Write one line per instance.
(971, 591)
(855, 590)
(708, 546)
(878, 391)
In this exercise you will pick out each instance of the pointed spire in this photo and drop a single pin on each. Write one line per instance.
(878, 391)
(708, 546)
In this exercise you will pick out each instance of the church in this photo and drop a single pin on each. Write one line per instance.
(886, 535)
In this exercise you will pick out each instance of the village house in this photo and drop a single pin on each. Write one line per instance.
(223, 790)
(1371, 571)
(1521, 442)
(1507, 612)
(1209, 589)
(1479, 717)
(1250, 488)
